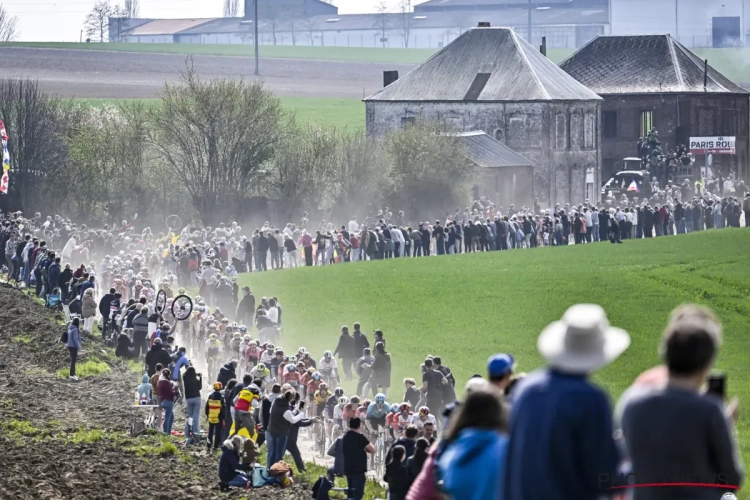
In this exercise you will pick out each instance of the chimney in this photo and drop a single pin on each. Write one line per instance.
(483, 24)
(389, 77)
(543, 47)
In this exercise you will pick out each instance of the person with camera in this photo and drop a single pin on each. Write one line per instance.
(670, 430)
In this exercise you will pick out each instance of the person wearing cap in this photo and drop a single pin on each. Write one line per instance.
(500, 370)
(561, 424)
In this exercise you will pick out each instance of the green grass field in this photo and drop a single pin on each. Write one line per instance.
(467, 307)
(342, 113)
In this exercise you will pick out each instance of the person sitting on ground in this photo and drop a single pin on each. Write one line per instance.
(124, 347)
(145, 390)
(230, 464)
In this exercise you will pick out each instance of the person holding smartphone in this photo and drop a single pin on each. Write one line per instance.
(676, 432)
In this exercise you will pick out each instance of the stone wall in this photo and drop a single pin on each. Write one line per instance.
(560, 138)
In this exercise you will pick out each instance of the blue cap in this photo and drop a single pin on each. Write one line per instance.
(500, 365)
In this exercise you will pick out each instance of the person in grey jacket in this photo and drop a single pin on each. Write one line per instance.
(364, 370)
(140, 333)
(74, 345)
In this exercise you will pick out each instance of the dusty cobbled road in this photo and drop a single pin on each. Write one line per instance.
(124, 75)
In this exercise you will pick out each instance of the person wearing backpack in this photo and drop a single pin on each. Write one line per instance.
(73, 343)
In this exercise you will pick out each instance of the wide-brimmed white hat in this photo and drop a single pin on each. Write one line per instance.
(582, 341)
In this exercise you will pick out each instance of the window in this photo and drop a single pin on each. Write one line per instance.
(408, 120)
(647, 122)
(610, 124)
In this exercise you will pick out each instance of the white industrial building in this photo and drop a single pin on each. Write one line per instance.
(566, 24)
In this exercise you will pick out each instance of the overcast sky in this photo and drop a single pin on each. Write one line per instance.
(62, 20)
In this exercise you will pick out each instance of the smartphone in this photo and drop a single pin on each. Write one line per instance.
(717, 385)
(301, 405)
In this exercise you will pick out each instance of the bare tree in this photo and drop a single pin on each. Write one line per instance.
(97, 22)
(35, 121)
(132, 8)
(216, 136)
(231, 8)
(273, 16)
(303, 167)
(407, 19)
(310, 25)
(117, 21)
(8, 26)
(383, 21)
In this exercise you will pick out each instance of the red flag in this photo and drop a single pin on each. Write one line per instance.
(3, 133)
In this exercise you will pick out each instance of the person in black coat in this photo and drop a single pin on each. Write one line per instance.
(246, 308)
(104, 305)
(346, 351)
(157, 354)
(397, 475)
(360, 340)
(75, 306)
(227, 373)
(64, 281)
(227, 403)
(415, 462)
(124, 348)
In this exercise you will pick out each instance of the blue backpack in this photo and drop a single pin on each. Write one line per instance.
(260, 476)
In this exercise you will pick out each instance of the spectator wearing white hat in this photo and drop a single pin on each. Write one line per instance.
(561, 424)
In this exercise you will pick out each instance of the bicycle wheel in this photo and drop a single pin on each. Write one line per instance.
(182, 307)
(161, 302)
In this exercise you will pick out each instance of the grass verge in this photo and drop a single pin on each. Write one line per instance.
(89, 368)
(466, 307)
(23, 339)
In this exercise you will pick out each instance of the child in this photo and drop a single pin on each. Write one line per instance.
(145, 390)
(214, 413)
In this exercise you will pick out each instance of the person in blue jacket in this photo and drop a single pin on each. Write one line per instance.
(182, 361)
(74, 345)
(229, 464)
(474, 448)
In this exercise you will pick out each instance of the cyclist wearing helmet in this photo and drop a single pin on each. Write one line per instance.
(403, 419)
(418, 420)
(262, 373)
(312, 386)
(276, 361)
(252, 353)
(291, 376)
(320, 399)
(377, 412)
(328, 368)
(268, 354)
(309, 361)
(304, 378)
(213, 348)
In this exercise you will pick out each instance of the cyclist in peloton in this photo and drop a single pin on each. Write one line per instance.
(403, 418)
(213, 348)
(312, 387)
(291, 376)
(328, 368)
(267, 354)
(262, 373)
(423, 417)
(377, 412)
(331, 404)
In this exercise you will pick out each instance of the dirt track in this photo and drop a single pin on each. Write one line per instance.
(65, 440)
(100, 74)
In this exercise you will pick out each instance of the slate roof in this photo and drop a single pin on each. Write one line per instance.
(486, 65)
(490, 153)
(643, 64)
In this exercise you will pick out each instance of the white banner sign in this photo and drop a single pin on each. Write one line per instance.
(714, 145)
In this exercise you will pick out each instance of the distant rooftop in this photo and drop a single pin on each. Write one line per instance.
(639, 64)
(166, 26)
(489, 65)
(487, 152)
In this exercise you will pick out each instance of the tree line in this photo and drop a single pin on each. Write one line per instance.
(214, 149)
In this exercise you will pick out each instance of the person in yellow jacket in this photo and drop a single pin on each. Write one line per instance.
(215, 415)
(245, 404)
